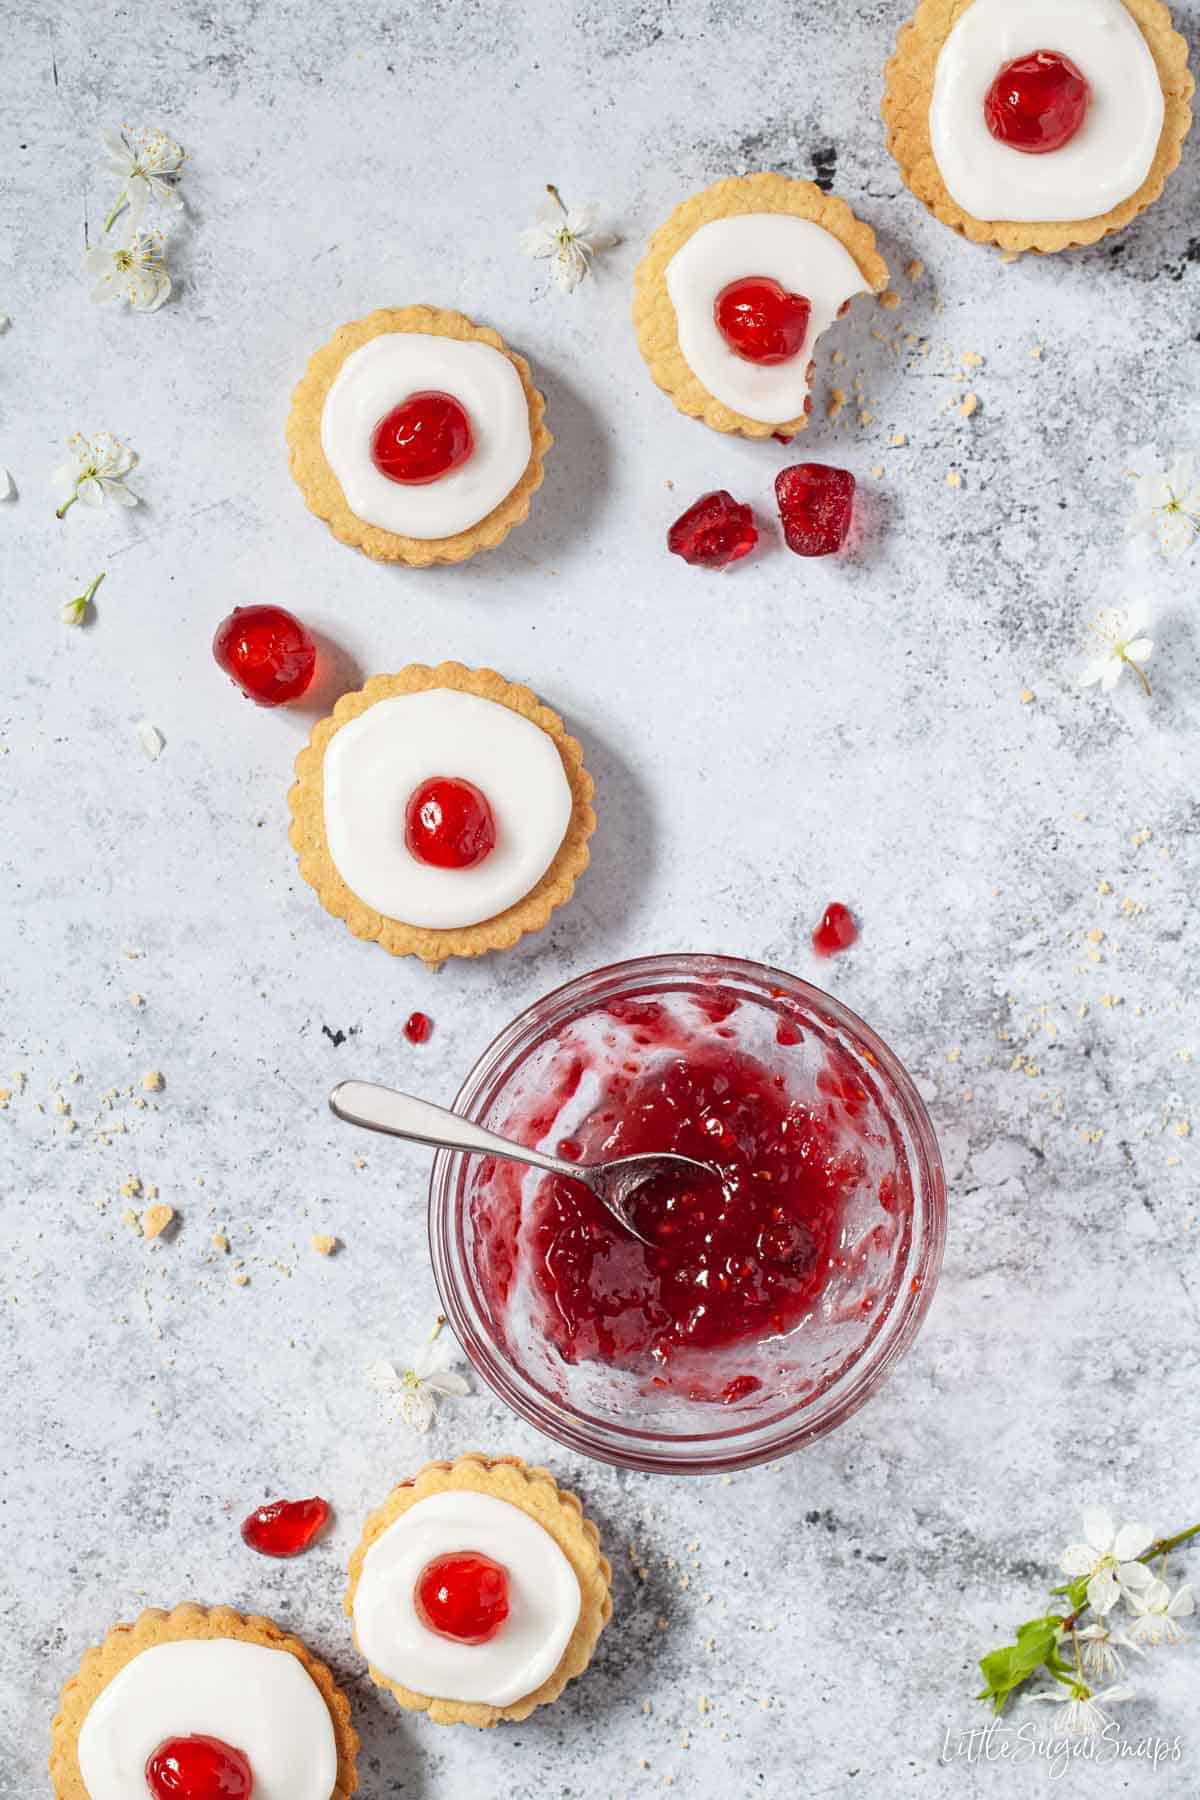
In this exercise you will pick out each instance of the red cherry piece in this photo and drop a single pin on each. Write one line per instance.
(422, 439)
(463, 1596)
(285, 1527)
(448, 823)
(198, 1768)
(1037, 103)
(417, 1028)
(816, 504)
(760, 321)
(267, 652)
(713, 533)
(836, 932)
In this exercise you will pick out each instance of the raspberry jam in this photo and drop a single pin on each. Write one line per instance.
(448, 823)
(425, 437)
(267, 652)
(714, 532)
(417, 1028)
(816, 505)
(1037, 103)
(285, 1527)
(760, 321)
(800, 1220)
(462, 1596)
(198, 1768)
(836, 932)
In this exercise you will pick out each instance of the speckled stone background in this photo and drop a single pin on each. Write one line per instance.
(900, 729)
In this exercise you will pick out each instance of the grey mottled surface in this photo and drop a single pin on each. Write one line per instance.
(762, 744)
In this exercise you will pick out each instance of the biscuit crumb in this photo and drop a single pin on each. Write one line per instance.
(866, 418)
(155, 1219)
(1111, 1000)
(5, 1097)
(220, 1242)
(1037, 352)
(152, 1081)
(915, 269)
(1183, 1128)
(1027, 696)
(968, 404)
(1104, 887)
(971, 359)
(889, 299)
(131, 1188)
(835, 403)
(137, 999)
(1141, 837)
(952, 1056)
(240, 1278)
(324, 1244)
(839, 357)
(1011, 256)
(953, 479)
(129, 1217)
(877, 471)
(899, 439)
(1095, 935)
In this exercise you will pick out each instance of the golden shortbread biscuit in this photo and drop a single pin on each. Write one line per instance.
(323, 491)
(104, 1662)
(908, 91)
(654, 313)
(560, 1513)
(433, 945)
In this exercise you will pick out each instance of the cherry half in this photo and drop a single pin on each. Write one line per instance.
(463, 1596)
(285, 1527)
(418, 1027)
(448, 823)
(198, 1768)
(267, 652)
(715, 531)
(422, 439)
(1037, 103)
(760, 321)
(816, 506)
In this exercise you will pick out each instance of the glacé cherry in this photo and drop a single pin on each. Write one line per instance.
(1037, 103)
(267, 652)
(285, 1527)
(760, 320)
(816, 505)
(463, 1596)
(422, 439)
(198, 1768)
(714, 532)
(449, 824)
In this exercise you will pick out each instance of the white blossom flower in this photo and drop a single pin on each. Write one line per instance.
(1099, 1649)
(568, 236)
(95, 472)
(1121, 632)
(151, 739)
(136, 271)
(6, 485)
(419, 1389)
(148, 163)
(1158, 1612)
(75, 611)
(1169, 504)
(1085, 1715)
(1107, 1558)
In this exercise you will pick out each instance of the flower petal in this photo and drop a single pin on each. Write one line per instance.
(1136, 1578)
(537, 241)
(90, 491)
(1112, 674)
(138, 192)
(1077, 1560)
(1140, 650)
(447, 1384)
(1131, 1541)
(1182, 1603)
(1103, 1591)
(6, 485)
(118, 493)
(417, 1408)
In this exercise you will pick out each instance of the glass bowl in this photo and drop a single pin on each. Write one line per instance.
(892, 1229)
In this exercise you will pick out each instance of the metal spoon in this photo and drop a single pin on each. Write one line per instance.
(615, 1183)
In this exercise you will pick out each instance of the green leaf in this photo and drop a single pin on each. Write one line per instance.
(1005, 1669)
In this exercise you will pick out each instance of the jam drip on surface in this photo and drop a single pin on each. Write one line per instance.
(462, 1596)
(1037, 103)
(198, 1768)
(733, 1260)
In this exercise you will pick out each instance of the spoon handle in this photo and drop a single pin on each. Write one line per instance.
(404, 1116)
